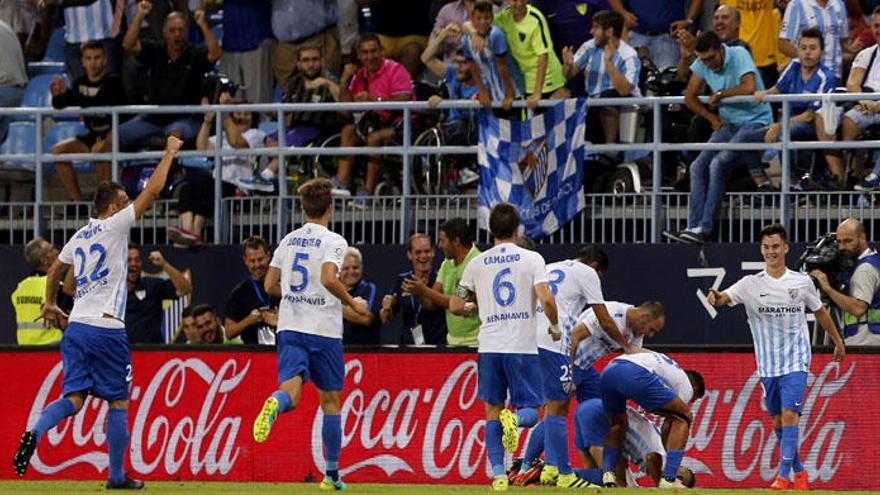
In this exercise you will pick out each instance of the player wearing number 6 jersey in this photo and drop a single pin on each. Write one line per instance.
(94, 349)
(775, 301)
(303, 273)
(506, 283)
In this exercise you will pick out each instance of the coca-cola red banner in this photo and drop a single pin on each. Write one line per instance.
(411, 418)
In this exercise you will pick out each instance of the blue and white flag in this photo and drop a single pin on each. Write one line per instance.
(536, 165)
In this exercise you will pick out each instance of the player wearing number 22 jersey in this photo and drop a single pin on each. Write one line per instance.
(506, 283)
(94, 349)
(304, 274)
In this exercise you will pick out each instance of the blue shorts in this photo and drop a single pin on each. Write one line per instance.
(590, 425)
(624, 380)
(96, 361)
(555, 367)
(316, 358)
(785, 392)
(518, 373)
(586, 382)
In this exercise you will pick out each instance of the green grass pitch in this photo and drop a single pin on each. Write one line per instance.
(199, 488)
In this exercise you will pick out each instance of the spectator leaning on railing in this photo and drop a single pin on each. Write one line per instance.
(143, 307)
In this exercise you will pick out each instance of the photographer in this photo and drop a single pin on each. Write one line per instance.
(860, 301)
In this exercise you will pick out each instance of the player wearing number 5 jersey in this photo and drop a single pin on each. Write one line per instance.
(94, 349)
(775, 301)
(506, 283)
(303, 273)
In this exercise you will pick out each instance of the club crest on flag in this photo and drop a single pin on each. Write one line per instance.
(532, 162)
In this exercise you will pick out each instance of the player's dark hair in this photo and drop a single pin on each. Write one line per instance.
(707, 41)
(254, 242)
(202, 309)
(609, 19)
(655, 309)
(687, 477)
(458, 228)
(414, 237)
(773, 229)
(106, 194)
(503, 221)
(526, 242)
(316, 197)
(483, 6)
(594, 256)
(697, 383)
(813, 32)
(92, 45)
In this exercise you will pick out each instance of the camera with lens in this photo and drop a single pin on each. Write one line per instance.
(823, 255)
(216, 84)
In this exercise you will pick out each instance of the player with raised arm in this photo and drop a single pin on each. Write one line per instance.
(658, 384)
(506, 283)
(303, 273)
(775, 301)
(94, 349)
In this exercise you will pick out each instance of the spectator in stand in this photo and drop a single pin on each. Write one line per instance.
(378, 79)
(831, 19)
(758, 30)
(251, 312)
(21, 16)
(134, 74)
(247, 45)
(805, 74)
(91, 20)
(652, 23)
(863, 77)
(860, 35)
(611, 69)
(187, 329)
(28, 296)
(423, 321)
(359, 329)
(207, 327)
(310, 84)
(13, 77)
(728, 71)
(297, 23)
(725, 22)
(456, 242)
(196, 203)
(176, 70)
(454, 13)
(403, 27)
(143, 307)
(528, 38)
(97, 88)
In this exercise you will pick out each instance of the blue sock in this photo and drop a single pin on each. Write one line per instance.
(673, 461)
(788, 446)
(527, 417)
(594, 476)
(284, 401)
(609, 458)
(331, 434)
(117, 442)
(535, 445)
(52, 415)
(494, 447)
(557, 442)
(796, 462)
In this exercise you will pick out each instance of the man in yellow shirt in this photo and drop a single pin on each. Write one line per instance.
(759, 29)
(27, 299)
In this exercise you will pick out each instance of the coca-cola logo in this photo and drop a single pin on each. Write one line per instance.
(388, 422)
(207, 441)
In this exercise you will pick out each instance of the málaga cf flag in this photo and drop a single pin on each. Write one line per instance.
(536, 165)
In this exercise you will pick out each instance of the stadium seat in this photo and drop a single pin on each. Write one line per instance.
(20, 140)
(55, 48)
(37, 68)
(268, 127)
(37, 95)
(59, 132)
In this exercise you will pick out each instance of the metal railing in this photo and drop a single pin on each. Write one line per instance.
(637, 217)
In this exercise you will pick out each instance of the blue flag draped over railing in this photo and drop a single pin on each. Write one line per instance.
(536, 165)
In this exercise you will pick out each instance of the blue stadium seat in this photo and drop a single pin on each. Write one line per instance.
(61, 131)
(269, 126)
(36, 68)
(21, 139)
(37, 94)
(55, 48)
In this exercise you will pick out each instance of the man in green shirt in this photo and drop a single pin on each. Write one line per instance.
(528, 37)
(456, 242)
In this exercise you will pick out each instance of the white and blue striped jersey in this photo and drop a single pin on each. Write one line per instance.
(98, 254)
(642, 438)
(831, 20)
(496, 46)
(599, 344)
(777, 318)
(88, 23)
(574, 285)
(590, 59)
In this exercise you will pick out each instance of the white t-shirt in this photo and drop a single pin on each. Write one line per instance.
(599, 344)
(503, 279)
(642, 438)
(306, 305)
(98, 254)
(872, 78)
(666, 369)
(574, 285)
(236, 168)
(777, 318)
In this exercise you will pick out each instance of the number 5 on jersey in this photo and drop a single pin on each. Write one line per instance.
(302, 269)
